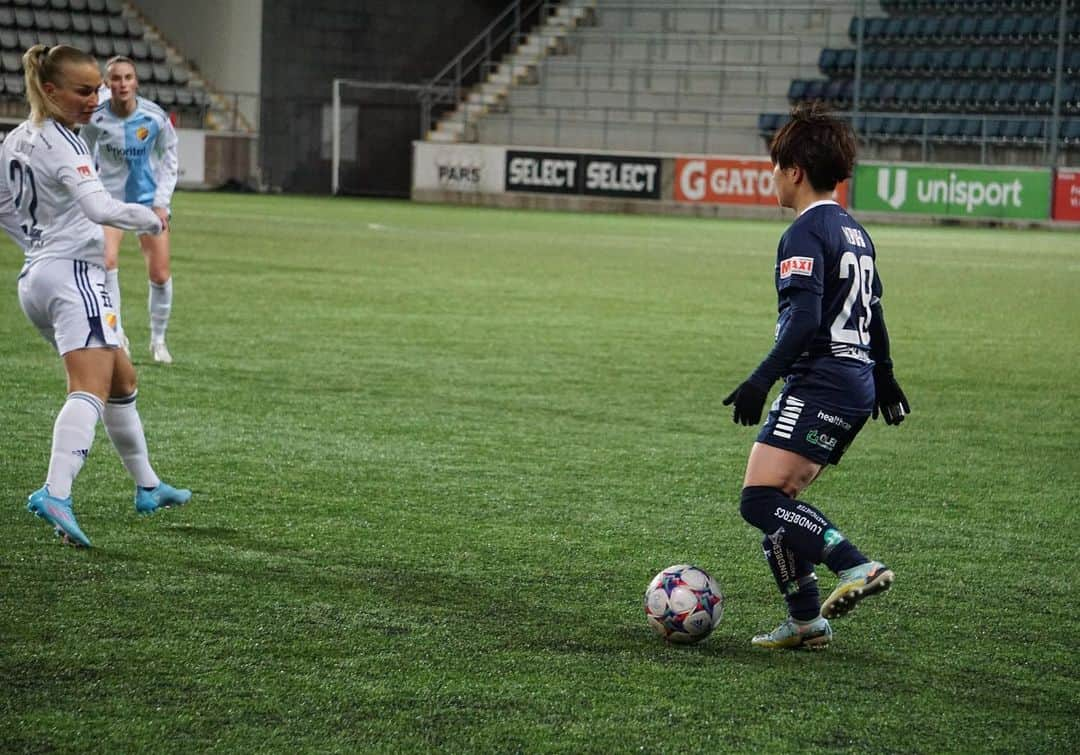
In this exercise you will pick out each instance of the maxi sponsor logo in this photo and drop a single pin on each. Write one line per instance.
(963, 192)
(591, 175)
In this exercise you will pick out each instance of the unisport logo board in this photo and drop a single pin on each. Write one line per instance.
(953, 191)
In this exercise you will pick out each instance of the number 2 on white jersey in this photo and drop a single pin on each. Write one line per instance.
(861, 272)
(27, 188)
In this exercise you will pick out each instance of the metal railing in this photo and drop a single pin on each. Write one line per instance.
(445, 89)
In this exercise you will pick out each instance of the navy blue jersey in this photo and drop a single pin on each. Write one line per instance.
(827, 252)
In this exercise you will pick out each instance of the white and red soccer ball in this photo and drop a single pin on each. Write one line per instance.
(683, 604)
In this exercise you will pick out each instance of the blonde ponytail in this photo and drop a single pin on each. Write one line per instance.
(46, 64)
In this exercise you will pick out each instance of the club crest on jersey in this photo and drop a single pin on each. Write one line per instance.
(141, 133)
(84, 170)
(796, 266)
(110, 319)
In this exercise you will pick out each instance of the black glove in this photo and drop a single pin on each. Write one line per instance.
(749, 401)
(890, 401)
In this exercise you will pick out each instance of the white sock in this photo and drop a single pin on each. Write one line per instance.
(125, 430)
(112, 288)
(73, 435)
(160, 308)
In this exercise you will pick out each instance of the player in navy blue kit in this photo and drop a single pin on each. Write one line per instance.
(832, 349)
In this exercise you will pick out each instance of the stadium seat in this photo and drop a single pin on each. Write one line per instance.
(162, 73)
(9, 39)
(144, 72)
(14, 84)
(10, 61)
(82, 42)
(117, 26)
(95, 6)
(157, 52)
(180, 75)
(1070, 132)
(140, 50)
(103, 47)
(80, 23)
(99, 25)
(827, 61)
(1002, 97)
(166, 96)
(1034, 131)
(1043, 98)
(845, 61)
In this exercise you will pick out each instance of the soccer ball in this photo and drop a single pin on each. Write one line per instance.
(683, 604)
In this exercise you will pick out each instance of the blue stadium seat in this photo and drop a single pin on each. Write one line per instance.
(1034, 131)
(986, 30)
(948, 30)
(845, 61)
(1042, 100)
(1070, 131)
(827, 61)
(815, 89)
(971, 130)
(918, 61)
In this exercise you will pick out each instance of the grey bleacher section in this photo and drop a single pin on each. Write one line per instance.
(678, 76)
(103, 28)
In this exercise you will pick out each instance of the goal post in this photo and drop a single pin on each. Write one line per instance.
(368, 130)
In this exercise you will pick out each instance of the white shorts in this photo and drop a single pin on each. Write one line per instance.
(67, 302)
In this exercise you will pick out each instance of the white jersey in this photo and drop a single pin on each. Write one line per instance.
(51, 200)
(136, 156)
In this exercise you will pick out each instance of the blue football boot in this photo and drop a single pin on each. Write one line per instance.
(58, 513)
(164, 496)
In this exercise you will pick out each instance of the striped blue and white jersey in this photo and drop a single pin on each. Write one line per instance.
(137, 155)
(44, 171)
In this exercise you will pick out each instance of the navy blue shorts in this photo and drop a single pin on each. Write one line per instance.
(820, 412)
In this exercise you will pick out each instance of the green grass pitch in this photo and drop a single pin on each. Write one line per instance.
(437, 453)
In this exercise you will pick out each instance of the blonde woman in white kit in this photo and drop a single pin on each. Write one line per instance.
(53, 205)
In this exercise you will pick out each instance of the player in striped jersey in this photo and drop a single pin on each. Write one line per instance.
(53, 205)
(135, 147)
(832, 349)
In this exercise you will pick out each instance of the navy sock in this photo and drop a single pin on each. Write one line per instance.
(794, 576)
(805, 530)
